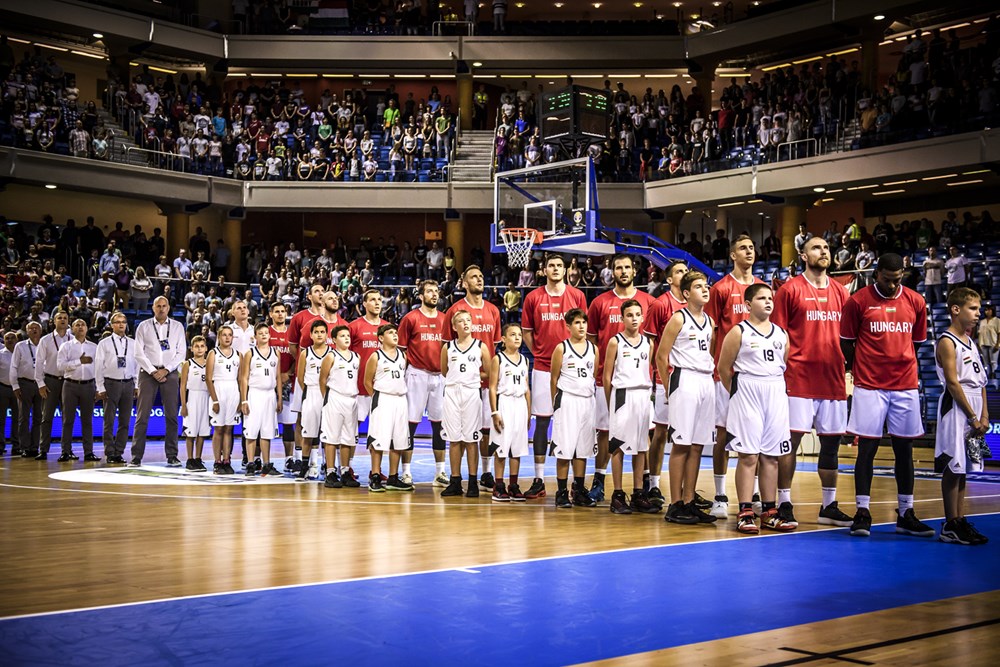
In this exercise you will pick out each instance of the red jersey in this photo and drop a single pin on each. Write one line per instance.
(486, 325)
(727, 308)
(656, 321)
(542, 314)
(885, 331)
(811, 316)
(605, 322)
(420, 338)
(279, 341)
(302, 333)
(364, 342)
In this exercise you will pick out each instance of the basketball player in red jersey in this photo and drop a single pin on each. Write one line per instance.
(485, 328)
(605, 318)
(544, 327)
(727, 308)
(653, 325)
(881, 327)
(808, 307)
(279, 341)
(298, 339)
(364, 343)
(420, 333)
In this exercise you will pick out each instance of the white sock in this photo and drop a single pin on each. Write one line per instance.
(829, 495)
(313, 457)
(344, 469)
(784, 496)
(756, 485)
(406, 469)
(654, 481)
(905, 503)
(438, 468)
(540, 471)
(487, 464)
(607, 468)
(296, 454)
(862, 501)
(720, 485)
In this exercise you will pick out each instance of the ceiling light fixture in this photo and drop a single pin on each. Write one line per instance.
(98, 35)
(597, 5)
(477, 64)
(935, 178)
(887, 192)
(819, 189)
(978, 180)
(880, 17)
(50, 186)
(559, 5)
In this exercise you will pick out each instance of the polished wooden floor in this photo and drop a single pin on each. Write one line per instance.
(71, 545)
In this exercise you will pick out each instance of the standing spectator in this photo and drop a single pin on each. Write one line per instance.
(79, 140)
(989, 338)
(720, 250)
(202, 268)
(607, 274)
(955, 268)
(292, 255)
(933, 277)
(115, 373)
(911, 275)
(864, 262)
(435, 262)
(140, 289)
(75, 361)
(499, 16)
(512, 304)
(110, 260)
(183, 268)
(106, 287)
(801, 238)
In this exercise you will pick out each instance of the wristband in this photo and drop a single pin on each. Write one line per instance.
(495, 413)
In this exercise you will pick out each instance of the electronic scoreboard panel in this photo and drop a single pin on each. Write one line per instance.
(575, 114)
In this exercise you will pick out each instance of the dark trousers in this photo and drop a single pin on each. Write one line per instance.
(118, 400)
(78, 396)
(30, 417)
(170, 397)
(9, 401)
(54, 386)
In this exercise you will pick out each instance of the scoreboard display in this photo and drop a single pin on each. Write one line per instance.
(575, 113)
(993, 435)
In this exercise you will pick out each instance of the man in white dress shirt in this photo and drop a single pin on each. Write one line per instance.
(160, 347)
(49, 378)
(117, 382)
(7, 398)
(22, 380)
(76, 362)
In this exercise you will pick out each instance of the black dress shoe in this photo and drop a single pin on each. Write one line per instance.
(67, 456)
(91, 457)
(41, 456)
(173, 462)
(29, 453)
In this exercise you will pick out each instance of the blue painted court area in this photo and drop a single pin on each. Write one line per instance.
(545, 612)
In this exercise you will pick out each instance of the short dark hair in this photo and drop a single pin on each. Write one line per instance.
(629, 303)
(337, 329)
(317, 324)
(507, 327)
(575, 314)
(689, 278)
(961, 296)
(261, 325)
(739, 239)
(670, 267)
(385, 328)
(890, 262)
(621, 257)
(752, 290)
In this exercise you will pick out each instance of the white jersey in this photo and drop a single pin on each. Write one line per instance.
(314, 362)
(263, 370)
(196, 377)
(513, 378)
(390, 374)
(343, 378)
(692, 348)
(761, 355)
(968, 362)
(227, 369)
(577, 374)
(632, 369)
(464, 366)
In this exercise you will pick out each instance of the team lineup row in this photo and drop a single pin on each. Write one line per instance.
(774, 381)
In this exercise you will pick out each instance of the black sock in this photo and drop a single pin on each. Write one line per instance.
(599, 477)
(746, 506)
(456, 479)
(768, 506)
(637, 492)
(561, 484)
(580, 483)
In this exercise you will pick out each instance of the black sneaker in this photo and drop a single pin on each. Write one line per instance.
(832, 516)
(955, 532)
(375, 483)
(135, 462)
(785, 512)
(250, 470)
(454, 488)
(91, 457)
(217, 468)
(228, 466)
(300, 473)
(977, 537)
(332, 480)
(908, 524)
(29, 454)
(486, 481)
(473, 490)
(640, 503)
(680, 513)
(349, 480)
(190, 465)
(269, 471)
(701, 515)
(290, 465)
(394, 483)
(245, 459)
(536, 490)
(862, 524)
(67, 456)
(258, 465)
(619, 503)
(582, 499)
(173, 462)
(656, 498)
(201, 465)
(514, 491)
(597, 490)
(40, 456)
(500, 494)
(562, 499)
(701, 502)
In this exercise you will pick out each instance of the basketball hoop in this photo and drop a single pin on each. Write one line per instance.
(519, 241)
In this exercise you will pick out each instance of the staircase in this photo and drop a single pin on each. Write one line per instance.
(473, 156)
(653, 248)
(122, 140)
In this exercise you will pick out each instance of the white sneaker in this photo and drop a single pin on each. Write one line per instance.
(720, 509)
(313, 472)
(441, 481)
(407, 478)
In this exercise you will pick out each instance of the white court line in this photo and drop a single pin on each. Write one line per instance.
(466, 568)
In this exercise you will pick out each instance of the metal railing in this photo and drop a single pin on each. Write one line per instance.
(164, 161)
(796, 149)
(437, 29)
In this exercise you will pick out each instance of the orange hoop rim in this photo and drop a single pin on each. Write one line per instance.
(522, 233)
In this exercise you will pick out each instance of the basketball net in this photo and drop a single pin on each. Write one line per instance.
(519, 241)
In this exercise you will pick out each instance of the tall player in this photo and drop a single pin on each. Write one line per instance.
(544, 328)
(486, 329)
(604, 323)
(365, 343)
(727, 308)
(420, 333)
(653, 325)
(881, 327)
(809, 308)
(279, 341)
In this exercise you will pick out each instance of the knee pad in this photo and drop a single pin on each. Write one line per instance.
(829, 453)
(437, 442)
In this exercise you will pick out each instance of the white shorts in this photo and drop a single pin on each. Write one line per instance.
(311, 413)
(828, 417)
(339, 424)
(629, 420)
(228, 394)
(287, 415)
(541, 394)
(871, 408)
(296, 404)
(364, 405)
(262, 422)
(512, 442)
(600, 410)
(197, 424)
(721, 405)
(757, 422)
(661, 411)
(462, 418)
(573, 429)
(387, 425)
(952, 427)
(424, 391)
(692, 399)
